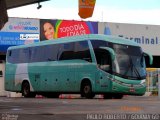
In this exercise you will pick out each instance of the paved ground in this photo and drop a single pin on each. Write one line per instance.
(77, 109)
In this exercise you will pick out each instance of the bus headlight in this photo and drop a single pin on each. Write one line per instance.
(143, 82)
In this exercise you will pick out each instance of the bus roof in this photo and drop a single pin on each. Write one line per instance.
(108, 38)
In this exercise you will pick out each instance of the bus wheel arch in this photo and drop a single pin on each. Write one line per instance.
(86, 89)
(26, 92)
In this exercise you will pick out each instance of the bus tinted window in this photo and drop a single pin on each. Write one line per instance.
(24, 55)
(51, 52)
(19, 56)
(102, 56)
(82, 51)
(44, 53)
(75, 50)
(66, 51)
(99, 43)
(37, 54)
(12, 56)
(96, 46)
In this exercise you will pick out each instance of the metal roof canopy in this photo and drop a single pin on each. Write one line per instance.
(18, 3)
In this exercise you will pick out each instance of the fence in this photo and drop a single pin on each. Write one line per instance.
(153, 75)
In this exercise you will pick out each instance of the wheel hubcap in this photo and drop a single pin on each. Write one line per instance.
(86, 89)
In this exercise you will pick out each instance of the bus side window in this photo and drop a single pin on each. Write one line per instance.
(24, 55)
(37, 54)
(103, 59)
(82, 51)
(12, 56)
(52, 52)
(66, 51)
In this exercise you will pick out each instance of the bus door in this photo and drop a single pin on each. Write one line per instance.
(104, 69)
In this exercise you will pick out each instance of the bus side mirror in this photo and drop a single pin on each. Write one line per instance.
(111, 51)
(150, 57)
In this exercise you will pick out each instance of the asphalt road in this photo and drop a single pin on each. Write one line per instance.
(79, 109)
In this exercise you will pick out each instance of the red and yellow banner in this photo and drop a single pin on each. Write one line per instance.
(71, 28)
(86, 8)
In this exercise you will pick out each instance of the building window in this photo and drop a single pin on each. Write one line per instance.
(1, 74)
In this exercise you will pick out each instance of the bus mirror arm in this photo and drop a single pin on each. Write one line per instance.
(111, 51)
(150, 57)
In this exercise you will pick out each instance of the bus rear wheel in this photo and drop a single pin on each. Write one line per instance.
(26, 90)
(86, 90)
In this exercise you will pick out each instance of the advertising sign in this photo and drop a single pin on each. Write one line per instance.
(148, 36)
(86, 8)
(18, 31)
(51, 29)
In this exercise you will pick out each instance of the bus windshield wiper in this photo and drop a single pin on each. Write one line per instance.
(134, 68)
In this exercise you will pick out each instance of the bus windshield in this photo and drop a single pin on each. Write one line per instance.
(129, 62)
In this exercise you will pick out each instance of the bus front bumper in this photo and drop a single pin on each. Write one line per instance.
(128, 89)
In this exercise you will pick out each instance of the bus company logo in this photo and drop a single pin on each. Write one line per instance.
(29, 36)
(20, 27)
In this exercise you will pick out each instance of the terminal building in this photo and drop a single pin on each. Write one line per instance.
(21, 31)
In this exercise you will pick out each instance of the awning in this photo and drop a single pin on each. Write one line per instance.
(18, 3)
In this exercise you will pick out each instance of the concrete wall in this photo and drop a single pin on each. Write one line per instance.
(2, 70)
(2, 89)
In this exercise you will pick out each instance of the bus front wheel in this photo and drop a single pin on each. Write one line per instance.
(26, 90)
(86, 90)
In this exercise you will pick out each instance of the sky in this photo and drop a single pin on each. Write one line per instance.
(117, 11)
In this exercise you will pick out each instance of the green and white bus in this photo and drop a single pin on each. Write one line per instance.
(87, 65)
